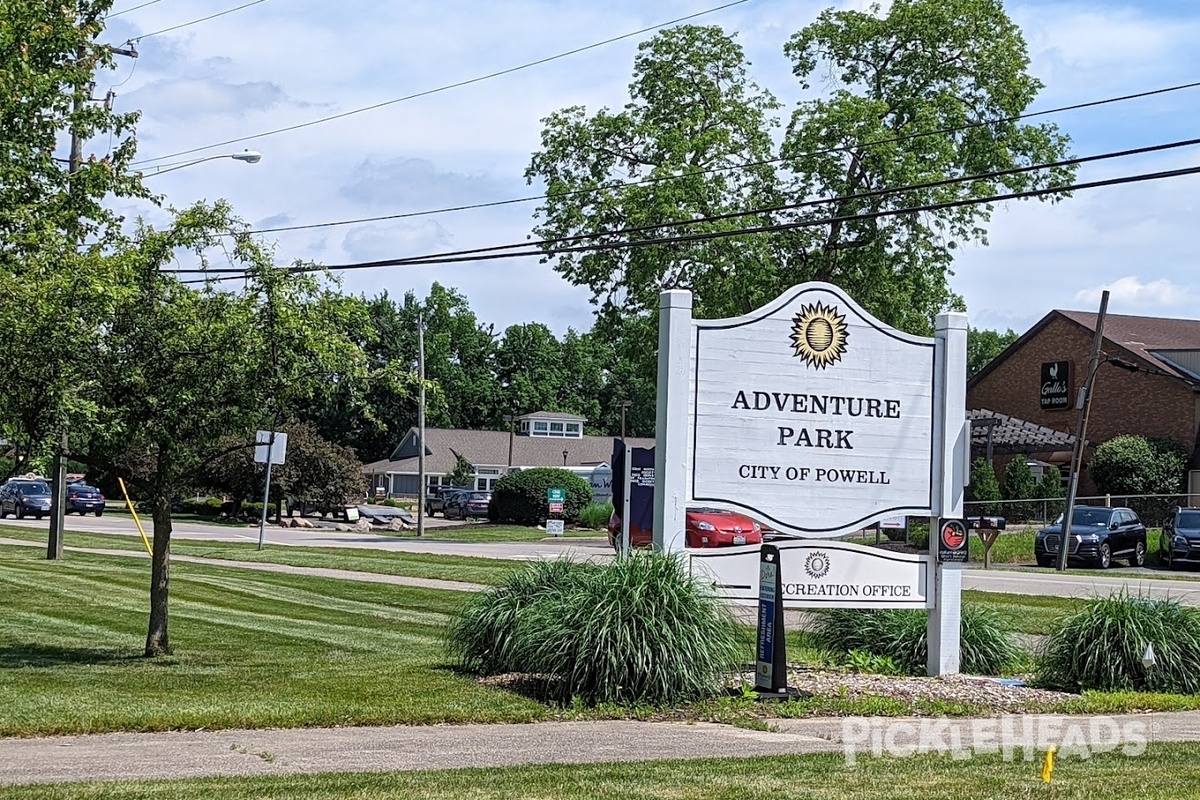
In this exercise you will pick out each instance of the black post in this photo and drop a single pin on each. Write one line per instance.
(771, 658)
(54, 544)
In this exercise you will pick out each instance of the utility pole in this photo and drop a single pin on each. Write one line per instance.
(58, 489)
(421, 490)
(1084, 404)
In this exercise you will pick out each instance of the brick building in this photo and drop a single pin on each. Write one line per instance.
(1148, 381)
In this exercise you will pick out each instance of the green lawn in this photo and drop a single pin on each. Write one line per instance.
(1165, 771)
(254, 649)
(1033, 614)
(415, 565)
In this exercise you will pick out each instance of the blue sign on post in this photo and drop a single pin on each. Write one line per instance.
(771, 660)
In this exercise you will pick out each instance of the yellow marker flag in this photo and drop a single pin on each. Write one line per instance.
(1048, 765)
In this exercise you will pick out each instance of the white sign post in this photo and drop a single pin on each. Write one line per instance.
(821, 420)
(271, 448)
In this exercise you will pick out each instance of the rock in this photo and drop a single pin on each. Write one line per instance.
(363, 526)
(397, 524)
(301, 522)
(342, 527)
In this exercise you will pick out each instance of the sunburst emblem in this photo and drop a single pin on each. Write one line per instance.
(819, 335)
(817, 564)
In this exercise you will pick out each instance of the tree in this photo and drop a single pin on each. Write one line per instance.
(983, 490)
(1133, 465)
(925, 93)
(463, 473)
(984, 345)
(54, 223)
(177, 369)
(316, 472)
(529, 368)
(1018, 485)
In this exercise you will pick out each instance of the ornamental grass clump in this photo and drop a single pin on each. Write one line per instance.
(987, 646)
(640, 630)
(1103, 646)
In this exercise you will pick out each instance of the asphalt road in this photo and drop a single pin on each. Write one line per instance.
(1010, 581)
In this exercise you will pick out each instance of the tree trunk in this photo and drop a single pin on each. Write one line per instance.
(157, 642)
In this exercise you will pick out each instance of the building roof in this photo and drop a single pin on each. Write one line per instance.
(553, 415)
(1150, 343)
(490, 449)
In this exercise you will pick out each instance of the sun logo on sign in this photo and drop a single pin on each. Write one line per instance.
(819, 335)
(817, 564)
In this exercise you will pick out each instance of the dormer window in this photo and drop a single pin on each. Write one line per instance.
(544, 424)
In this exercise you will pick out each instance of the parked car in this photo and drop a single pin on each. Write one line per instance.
(83, 499)
(1180, 542)
(1098, 535)
(24, 497)
(435, 501)
(465, 505)
(704, 527)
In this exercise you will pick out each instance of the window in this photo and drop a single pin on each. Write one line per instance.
(485, 484)
(556, 429)
(541, 428)
(524, 426)
(574, 430)
(432, 482)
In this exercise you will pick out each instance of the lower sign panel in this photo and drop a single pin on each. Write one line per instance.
(822, 574)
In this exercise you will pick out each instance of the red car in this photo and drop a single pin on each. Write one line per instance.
(706, 527)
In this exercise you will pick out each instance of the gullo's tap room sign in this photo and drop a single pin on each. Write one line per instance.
(1056, 386)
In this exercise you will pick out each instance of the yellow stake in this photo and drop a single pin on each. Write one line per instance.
(136, 521)
(1048, 765)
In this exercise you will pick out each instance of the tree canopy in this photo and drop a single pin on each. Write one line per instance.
(921, 98)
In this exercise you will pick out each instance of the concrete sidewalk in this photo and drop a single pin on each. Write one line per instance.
(130, 756)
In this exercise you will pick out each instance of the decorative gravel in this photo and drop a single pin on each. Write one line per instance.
(983, 693)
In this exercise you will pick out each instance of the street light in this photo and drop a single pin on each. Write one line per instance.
(247, 156)
(565, 457)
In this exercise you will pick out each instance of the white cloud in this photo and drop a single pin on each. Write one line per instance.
(1132, 293)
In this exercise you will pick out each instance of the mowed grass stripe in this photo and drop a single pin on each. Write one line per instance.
(251, 650)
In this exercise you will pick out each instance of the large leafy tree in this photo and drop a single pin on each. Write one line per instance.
(923, 93)
(55, 284)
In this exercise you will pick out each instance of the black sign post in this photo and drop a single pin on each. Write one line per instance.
(771, 661)
(952, 541)
(1055, 387)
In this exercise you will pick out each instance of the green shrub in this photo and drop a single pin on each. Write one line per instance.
(1018, 485)
(1101, 647)
(520, 497)
(900, 635)
(918, 534)
(596, 515)
(983, 491)
(639, 630)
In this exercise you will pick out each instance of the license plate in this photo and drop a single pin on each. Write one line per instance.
(45, 506)
(739, 540)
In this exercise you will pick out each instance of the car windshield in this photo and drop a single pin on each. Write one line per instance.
(1088, 516)
(36, 487)
(480, 496)
(1188, 519)
(79, 488)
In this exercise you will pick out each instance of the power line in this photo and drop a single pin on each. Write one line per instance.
(496, 253)
(133, 8)
(444, 88)
(867, 195)
(749, 165)
(193, 22)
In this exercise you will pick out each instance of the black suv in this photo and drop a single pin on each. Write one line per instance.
(436, 500)
(23, 497)
(1180, 542)
(1098, 535)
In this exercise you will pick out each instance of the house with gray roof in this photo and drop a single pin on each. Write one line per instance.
(540, 439)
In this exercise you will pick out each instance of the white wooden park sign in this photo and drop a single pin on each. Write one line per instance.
(815, 417)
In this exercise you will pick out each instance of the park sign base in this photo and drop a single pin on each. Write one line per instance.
(817, 418)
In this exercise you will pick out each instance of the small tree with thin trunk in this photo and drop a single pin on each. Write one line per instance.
(179, 369)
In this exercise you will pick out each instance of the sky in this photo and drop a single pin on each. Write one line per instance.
(280, 63)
